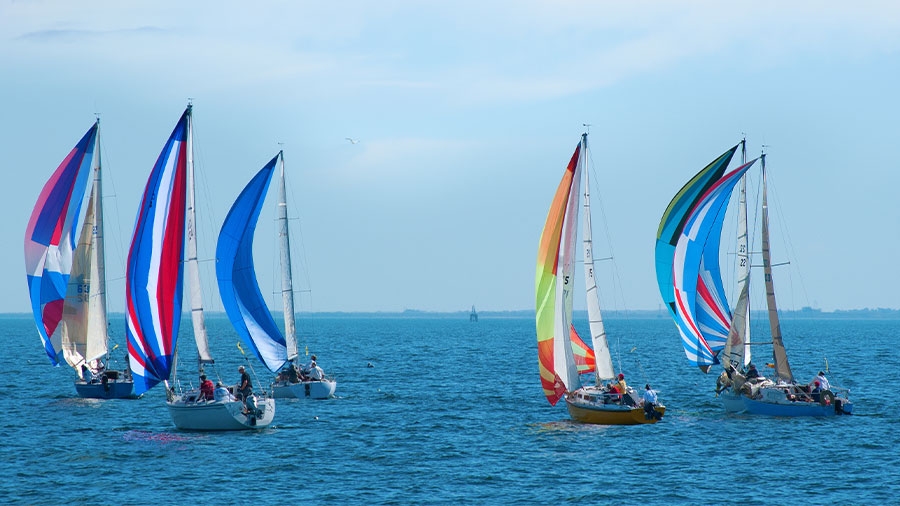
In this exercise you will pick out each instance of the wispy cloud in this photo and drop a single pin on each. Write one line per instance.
(76, 35)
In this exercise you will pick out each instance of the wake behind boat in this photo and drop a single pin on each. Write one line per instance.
(154, 282)
(562, 354)
(67, 283)
(692, 285)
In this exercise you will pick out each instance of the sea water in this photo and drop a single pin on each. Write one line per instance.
(446, 411)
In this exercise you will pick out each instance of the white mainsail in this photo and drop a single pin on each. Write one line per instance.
(287, 286)
(737, 345)
(193, 266)
(84, 324)
(604, 365)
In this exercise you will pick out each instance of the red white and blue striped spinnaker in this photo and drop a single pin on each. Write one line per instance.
(153, 279)
(50, 241)
(702, 313)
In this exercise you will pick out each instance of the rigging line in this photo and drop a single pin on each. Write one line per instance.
(303, 258)
(617, 279)
(109, 180)
(786, 236)
(204, 224)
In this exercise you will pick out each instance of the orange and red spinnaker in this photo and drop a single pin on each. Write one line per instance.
(546, 281)
(584, 355)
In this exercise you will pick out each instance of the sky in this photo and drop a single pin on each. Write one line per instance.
(465, 115)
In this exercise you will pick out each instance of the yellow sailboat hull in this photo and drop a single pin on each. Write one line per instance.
(611, 414)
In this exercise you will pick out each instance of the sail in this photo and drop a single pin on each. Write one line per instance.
(604, 365)
(584, 355)
(782, 367)
(193, 265)
(49, 241)
(702, 313)
(287, 284)
(154, 272)
(241, 297)
(673, 219)
(553, 287)
(83, 328)
(737, 347)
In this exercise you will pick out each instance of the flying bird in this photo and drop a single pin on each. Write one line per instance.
(352, 141)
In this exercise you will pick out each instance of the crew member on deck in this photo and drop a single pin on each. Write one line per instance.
(207, 389)
(823, 381)
(752, 372)
(245, 387)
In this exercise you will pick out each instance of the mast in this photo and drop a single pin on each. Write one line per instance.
(604, 366)
(203, 355)
(782, 367)
(737, 347)
(287, 287)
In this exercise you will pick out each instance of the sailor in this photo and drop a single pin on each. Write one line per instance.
(816, 392)
(221, 393)
(649, 395)
(622, 386)
(206, 388)
(752, 372)
(822, 380)
(650, 401)
(245, 387)
(315, 372)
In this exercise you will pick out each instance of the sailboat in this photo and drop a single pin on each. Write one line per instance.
(562, 354)
(67, 283)
(691, 283)
(154, 289)
(305, 381)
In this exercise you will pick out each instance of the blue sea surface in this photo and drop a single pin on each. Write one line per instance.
(452, 413)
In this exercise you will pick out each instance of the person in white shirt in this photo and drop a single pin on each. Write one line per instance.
(823, 382)
(222, 394)
(649, 395)
(312, 371)
(650, 400)
(315, 372)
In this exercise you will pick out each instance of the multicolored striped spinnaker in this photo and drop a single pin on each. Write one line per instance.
(584, 355)
(154, 271)
(672, 222)
(702, 313)
(50, 241)
(554, 282)
(236, 275)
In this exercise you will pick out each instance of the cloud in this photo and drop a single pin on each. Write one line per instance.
(74, 35)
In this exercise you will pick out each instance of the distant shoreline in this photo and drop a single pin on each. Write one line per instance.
(805, 313)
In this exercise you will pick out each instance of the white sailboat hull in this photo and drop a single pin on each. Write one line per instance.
(305, 389)
(190, 414)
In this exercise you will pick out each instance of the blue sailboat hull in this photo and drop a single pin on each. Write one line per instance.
(742, 404)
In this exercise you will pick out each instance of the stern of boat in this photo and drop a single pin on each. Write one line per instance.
(190, 412)
(313, 389)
